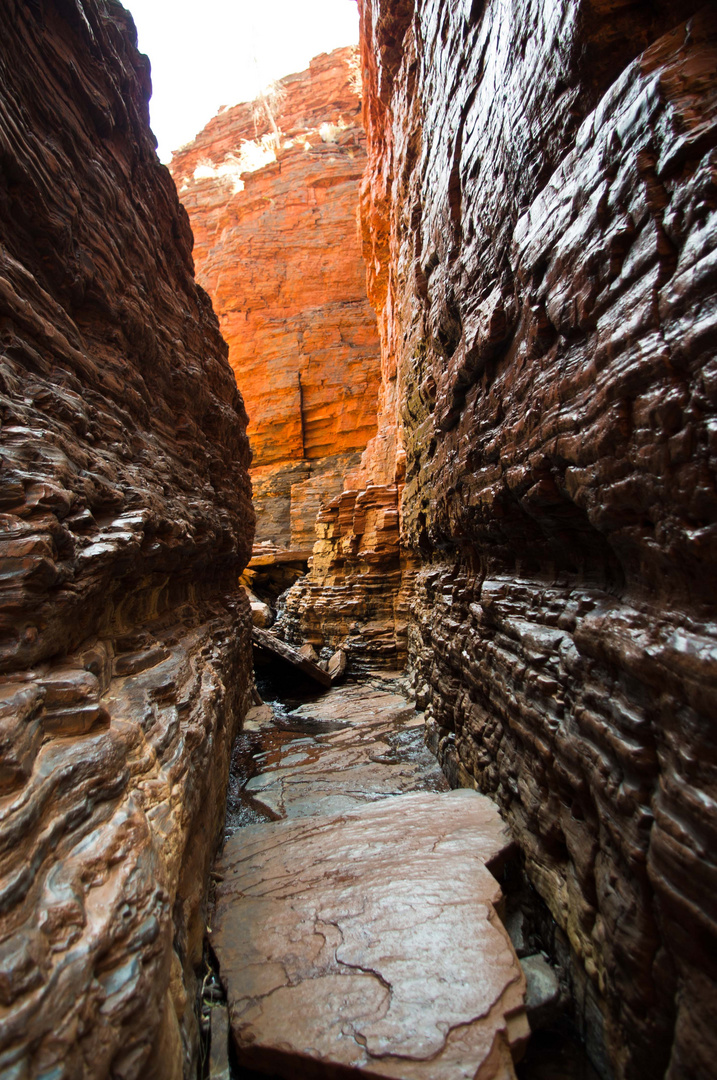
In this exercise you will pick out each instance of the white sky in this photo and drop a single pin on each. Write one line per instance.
(209, 53)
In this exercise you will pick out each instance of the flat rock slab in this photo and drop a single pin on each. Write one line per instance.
(367, 943)
(378, 752)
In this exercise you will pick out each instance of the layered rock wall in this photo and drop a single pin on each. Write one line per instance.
(540, 213)
(352, 596)
(271, 188)
(125, 518)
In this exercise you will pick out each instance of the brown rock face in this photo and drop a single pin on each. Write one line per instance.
(272, 192)
(540, 223)
(125, 518)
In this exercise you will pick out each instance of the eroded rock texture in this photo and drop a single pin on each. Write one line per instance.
(271, 187)
(357, 591)
(354, 596)
(540, 229)
(125, 518)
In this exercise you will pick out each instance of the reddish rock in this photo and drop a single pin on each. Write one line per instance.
(271, 188)
(125, 517)
(365, 743)
(383, 864)
(351, 597)
(539, 223)
(335, 964)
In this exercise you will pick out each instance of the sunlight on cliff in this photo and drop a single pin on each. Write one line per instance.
(235, 50)
(329, 133)
(253, 154)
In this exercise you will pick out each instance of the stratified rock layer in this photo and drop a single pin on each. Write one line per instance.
(540, 223)
(352, 597)
(125, 518)
(271, 188)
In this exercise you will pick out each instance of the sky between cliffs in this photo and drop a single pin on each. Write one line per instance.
(219, 52)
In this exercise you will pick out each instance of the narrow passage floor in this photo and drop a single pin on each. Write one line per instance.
(355, 926)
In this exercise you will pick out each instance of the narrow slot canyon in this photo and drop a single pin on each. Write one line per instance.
(358, 514)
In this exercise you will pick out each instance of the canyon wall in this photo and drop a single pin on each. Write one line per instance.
(271, 188)
(540, 217)
(125, 518)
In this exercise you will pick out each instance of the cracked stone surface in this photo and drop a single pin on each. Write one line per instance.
(361, 939)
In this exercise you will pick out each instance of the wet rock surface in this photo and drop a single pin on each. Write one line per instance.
(125, 518)
(357, 933)
(352, 746)
(539, 212)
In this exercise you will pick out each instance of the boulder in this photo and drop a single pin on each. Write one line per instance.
(274, 645)
(542, 1000)
(367, 942)
(337, 666)
(261, 614)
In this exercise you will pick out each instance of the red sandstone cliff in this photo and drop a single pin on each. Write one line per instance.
(271, 188)
(540, 227)
(125, 519)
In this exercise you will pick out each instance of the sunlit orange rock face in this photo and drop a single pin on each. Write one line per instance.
(271, 188)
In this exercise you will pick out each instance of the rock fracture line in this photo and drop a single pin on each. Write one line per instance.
(359, 934)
